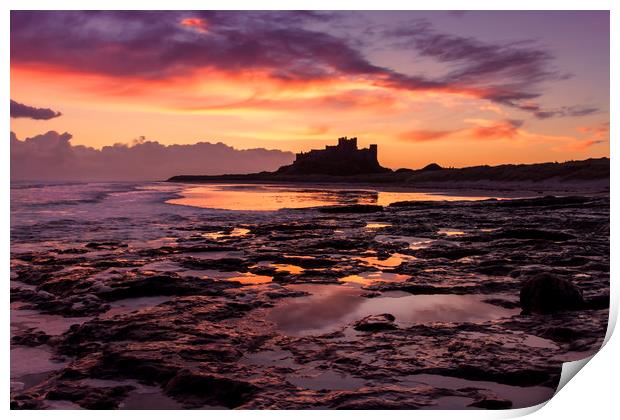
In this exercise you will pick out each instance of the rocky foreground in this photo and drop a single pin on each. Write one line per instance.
(312, 308)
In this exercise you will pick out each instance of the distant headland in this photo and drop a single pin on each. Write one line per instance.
(345, 163)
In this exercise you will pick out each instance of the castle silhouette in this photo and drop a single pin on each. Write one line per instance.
(343, 159)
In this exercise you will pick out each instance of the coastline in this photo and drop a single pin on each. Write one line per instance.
(501, 189)
(589, 177)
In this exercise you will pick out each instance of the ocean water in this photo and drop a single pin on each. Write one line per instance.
(52, 214)
(63, 215)
(35, 202)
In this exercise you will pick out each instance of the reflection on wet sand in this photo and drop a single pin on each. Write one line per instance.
(288, 268)
(393, 260)
(309, 375)
(450, 232)
(274, 197)
(370, 277)
(520, 396)
(414, 242)
(124, 306)
(249, 278)
(236, 232)
(375, 226)
(330, 307)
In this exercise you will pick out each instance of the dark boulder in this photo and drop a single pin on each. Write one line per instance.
(545, 294)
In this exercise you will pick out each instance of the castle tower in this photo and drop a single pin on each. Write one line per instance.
(347, 144)
(373, 150)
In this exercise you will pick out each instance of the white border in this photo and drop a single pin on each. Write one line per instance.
(593, 394)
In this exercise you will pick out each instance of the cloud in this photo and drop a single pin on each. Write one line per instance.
(51, 156)
(198, 24)
(482, 130)
(426, 135)
(508, 73)
(512, 131)
(24, 111)
(565, 111)
(592, 136)
(153, 44)
(506, 129)
(282, 46)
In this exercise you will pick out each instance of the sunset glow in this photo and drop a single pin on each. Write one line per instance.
(291, 210)
(425, 86)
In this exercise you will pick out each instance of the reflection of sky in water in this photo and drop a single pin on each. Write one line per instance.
(249, 278)
(520, 396)
(330, 307)
(393, 260)
(370, 277)
(450, 232)
(236, 232)
(374, 226)
(244, 278)
(274, 197)
(288, 268)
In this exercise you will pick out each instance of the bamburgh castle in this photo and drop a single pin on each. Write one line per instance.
(342, 159)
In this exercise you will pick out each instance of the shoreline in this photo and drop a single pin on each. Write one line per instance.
(500, 189)
(590, 177)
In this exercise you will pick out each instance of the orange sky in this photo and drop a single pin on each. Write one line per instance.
(456, 125)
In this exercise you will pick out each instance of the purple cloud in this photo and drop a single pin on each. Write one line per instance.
(51, 156)
(565, 111)
(156, 44)
(507, 73)
(24, 111)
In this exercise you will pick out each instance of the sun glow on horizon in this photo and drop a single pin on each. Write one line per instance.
(325, 95)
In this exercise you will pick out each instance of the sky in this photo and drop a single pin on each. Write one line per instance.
(455, 88)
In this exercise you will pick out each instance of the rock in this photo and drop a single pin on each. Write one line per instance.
(222, 264)
(188, 386)
(89, 397)
(376, 323)
(105, 245)
(137, 285)
(536, 234)
(218, 331)
(377, 403)
(598, 302)
(450, 252)
(353, 208)
(492, 404)
(31, 337)
(545, 294)
(547, 201)
(560, 334)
